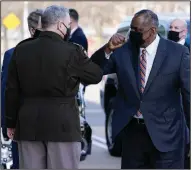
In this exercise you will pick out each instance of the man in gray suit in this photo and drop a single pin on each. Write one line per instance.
(46, 72)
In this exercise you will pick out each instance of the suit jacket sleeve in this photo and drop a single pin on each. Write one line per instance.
(107, 65)
(81, 67)
(185, 83)
(12, 93)
(4, 71)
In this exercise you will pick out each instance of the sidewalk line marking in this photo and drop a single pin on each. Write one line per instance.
(99, 139)
(99, 145)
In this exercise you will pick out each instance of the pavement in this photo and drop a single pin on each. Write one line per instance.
(99, 158)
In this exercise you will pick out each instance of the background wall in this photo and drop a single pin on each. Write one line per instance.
(99, 19)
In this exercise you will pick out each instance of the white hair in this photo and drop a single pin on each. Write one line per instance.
(52, 15)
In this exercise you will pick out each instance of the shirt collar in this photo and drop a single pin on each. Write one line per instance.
(182, 42)
(73, 30)
(153, 46)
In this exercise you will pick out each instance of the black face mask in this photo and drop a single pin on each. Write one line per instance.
(136, 38)
(67, 35)
(36, 34)
(173, 35)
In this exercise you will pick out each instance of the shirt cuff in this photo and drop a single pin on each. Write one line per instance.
(107, 56)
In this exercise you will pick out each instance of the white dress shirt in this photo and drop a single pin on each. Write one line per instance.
(150, 56)
(73, 30)
(182, 42)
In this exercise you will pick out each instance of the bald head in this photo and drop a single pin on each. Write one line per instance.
(178, 25)
(177, 30)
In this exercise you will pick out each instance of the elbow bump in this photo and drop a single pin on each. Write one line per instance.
(99, 76)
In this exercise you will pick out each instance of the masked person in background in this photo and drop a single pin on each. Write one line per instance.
(178, 32)
(77, 35)
(148, 113)
(46, 73)
(34, 23)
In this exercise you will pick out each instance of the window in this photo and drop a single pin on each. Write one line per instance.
(123, 31)
(161, 31)
(188, 38)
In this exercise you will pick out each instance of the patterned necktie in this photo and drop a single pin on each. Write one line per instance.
(143, 64)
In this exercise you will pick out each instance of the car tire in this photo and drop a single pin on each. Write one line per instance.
(113, 148)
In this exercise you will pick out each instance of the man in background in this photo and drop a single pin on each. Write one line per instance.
(178, 32)
(34, 23)
(77, 34)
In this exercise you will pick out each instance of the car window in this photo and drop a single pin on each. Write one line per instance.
(188, 34)
(162, 31)
(123, 31)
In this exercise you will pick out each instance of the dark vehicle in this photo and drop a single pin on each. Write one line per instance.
(109, 84)
(86, 143)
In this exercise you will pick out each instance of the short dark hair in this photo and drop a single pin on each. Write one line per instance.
(74, 14)
(33, 18)
(150, 16)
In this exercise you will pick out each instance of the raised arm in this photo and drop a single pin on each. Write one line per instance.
(105, 58)
(82, 67)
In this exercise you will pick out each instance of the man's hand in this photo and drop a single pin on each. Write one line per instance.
(116, 41)
(10, 133)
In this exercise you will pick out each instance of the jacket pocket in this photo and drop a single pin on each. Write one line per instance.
(167, 73)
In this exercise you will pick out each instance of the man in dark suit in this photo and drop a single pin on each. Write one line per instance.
(34, 23)
(45, 72)
(178, 33)
(77, 34)
(148, 115)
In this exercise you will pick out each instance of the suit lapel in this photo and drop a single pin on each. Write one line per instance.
(130, 65)
(159, 58)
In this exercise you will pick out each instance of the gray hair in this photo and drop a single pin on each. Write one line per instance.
(33, 18)
(181, 20)
(52, 15)
(150, 17)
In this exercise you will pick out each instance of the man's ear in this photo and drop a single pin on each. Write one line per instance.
(32, 31)
(154, 30)
(184, 33)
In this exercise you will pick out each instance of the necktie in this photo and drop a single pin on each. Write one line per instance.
(143, 64)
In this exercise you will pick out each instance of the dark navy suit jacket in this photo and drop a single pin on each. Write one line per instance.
(79, 37)
(160, 103)
(4, 72)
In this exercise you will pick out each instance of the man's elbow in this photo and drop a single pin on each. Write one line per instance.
(95, 78)
(98, 77)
